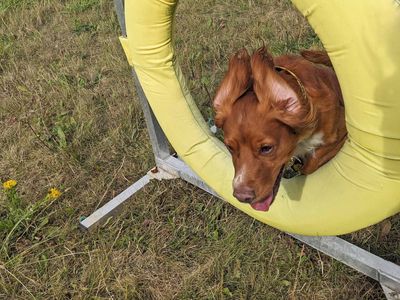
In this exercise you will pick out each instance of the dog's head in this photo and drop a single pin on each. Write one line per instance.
(261, 116)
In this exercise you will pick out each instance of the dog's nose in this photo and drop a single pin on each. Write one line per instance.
(244, 194)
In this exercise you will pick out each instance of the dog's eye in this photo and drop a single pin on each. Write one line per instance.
(266, 149)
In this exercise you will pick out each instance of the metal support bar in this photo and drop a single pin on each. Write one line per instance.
(113, 206)
(170, 168)
(390, 294)
(383, 271)
(175, 166)
(158, 139)
(120, 10)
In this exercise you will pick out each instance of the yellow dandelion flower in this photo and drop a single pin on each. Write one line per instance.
(9, 184)
(54, 193)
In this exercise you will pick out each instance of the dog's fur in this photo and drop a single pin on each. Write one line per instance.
(270, 114)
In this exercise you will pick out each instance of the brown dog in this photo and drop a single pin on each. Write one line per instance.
(272, 109)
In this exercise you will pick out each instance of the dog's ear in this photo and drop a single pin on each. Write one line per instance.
(272, 90)
(269, 86)
(235, 83)
(286, 101)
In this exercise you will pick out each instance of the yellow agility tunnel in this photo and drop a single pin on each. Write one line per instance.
(361, 185)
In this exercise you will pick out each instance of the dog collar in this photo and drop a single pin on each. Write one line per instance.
(293, 167)
(302, 88)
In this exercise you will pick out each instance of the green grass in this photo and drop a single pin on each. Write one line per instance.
(79, 6)
(84, 27)
(6, 5)
(70, 119)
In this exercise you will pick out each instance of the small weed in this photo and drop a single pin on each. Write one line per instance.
(80, 28)
(18, 214)
(57, 133)
(75, 81)
(78, 81)
(63, 129)
(6, 5)
(79, 6)
(6, 45)
(291, 44)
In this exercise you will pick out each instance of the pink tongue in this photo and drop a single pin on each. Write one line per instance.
(263, 205)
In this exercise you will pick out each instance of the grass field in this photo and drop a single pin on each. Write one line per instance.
(70, 120)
